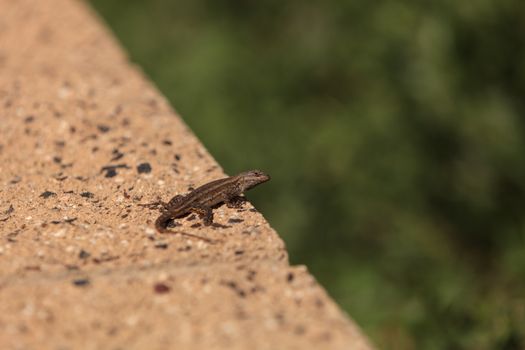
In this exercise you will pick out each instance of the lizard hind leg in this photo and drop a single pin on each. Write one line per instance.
(158, 205)
(205, 213)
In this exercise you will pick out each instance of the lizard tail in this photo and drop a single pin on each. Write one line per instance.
(161, 224)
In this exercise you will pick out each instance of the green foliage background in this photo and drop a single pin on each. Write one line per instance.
(394, 132)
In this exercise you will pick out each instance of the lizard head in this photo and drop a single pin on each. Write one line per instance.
(252, 178)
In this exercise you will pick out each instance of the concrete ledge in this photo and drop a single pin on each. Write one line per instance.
(85, 139)
(224, 307)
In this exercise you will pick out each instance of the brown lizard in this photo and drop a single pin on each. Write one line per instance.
(202, 199)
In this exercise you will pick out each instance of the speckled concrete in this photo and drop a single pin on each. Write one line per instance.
(85, 138)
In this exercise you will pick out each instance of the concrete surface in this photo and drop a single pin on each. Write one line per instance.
(85, 138)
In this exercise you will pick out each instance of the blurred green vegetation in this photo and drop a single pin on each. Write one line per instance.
(394, 132)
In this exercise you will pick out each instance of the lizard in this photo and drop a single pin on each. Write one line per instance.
(203, 199)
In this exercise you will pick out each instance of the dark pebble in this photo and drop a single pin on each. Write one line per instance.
(117, 156)
(9, 210)
(47, 194)
(111, 173)
(87, 195)
(83, 254)
(290, 277)
(144, 168)
(16, 180)
(234, 221)
(81, 282)
(111, 170)
(60, 177)
(103, 128)
(161, 288)
(70, 221)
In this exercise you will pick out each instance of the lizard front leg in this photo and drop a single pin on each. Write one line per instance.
(236, 202)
